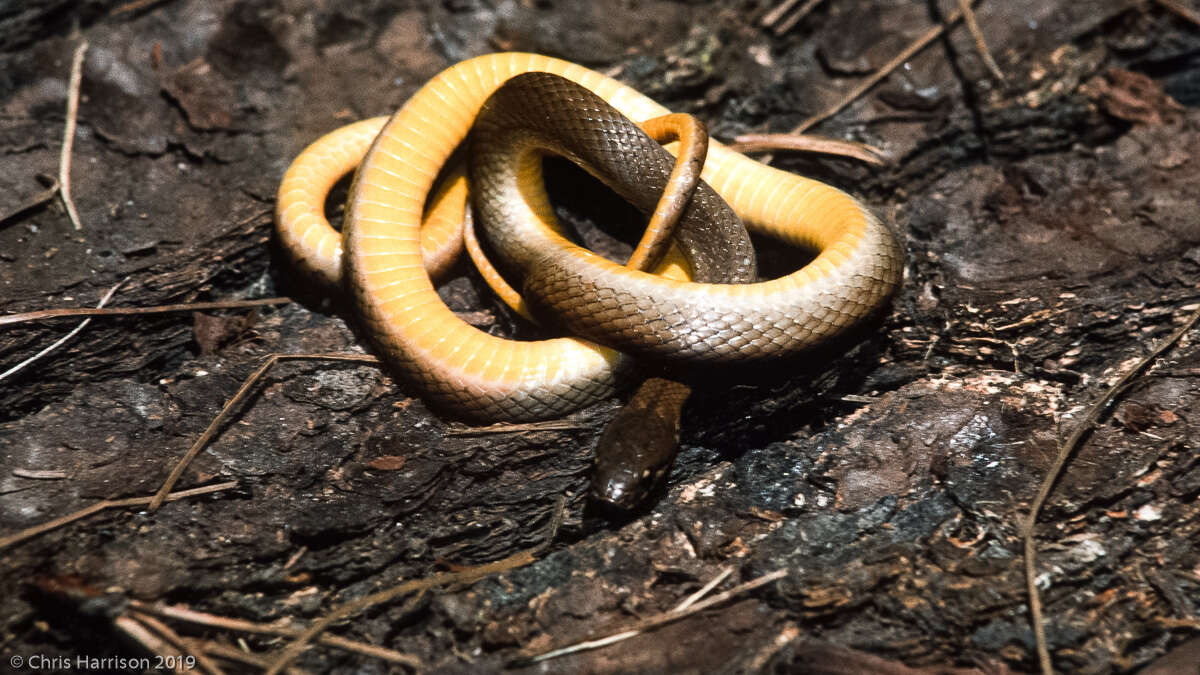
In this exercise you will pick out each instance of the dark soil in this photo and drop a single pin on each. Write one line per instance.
(1053, 232)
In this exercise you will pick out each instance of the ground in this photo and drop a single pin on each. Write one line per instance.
(1050, 222)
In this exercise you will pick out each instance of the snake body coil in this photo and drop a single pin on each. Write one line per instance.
(856, 268)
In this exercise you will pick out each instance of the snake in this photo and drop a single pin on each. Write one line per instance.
(383, 258)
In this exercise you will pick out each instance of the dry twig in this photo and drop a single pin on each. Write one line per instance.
(133, 6)
(879, 75)
(968, 14)
(40, 474)
(64, 339)
(467, 575)
(236, 655)
(35, 201)
(28, 532)
(141, 634)
(66, 312)
(63, 312)
(172, 638)
(625, 635)
(64, 161)
(809, 143)
(228, 408)
(655, 621)
(1180, 10)
(1065, 451)
(771, 18)
(242, 626)
(704, 590)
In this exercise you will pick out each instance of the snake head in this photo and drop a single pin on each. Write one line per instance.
(634, 453)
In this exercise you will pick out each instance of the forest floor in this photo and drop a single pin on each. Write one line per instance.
(1052, 232)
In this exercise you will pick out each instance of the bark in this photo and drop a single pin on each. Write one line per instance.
(1050, 222)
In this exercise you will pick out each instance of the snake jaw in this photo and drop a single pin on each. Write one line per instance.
(633, 455)
(626, 488)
